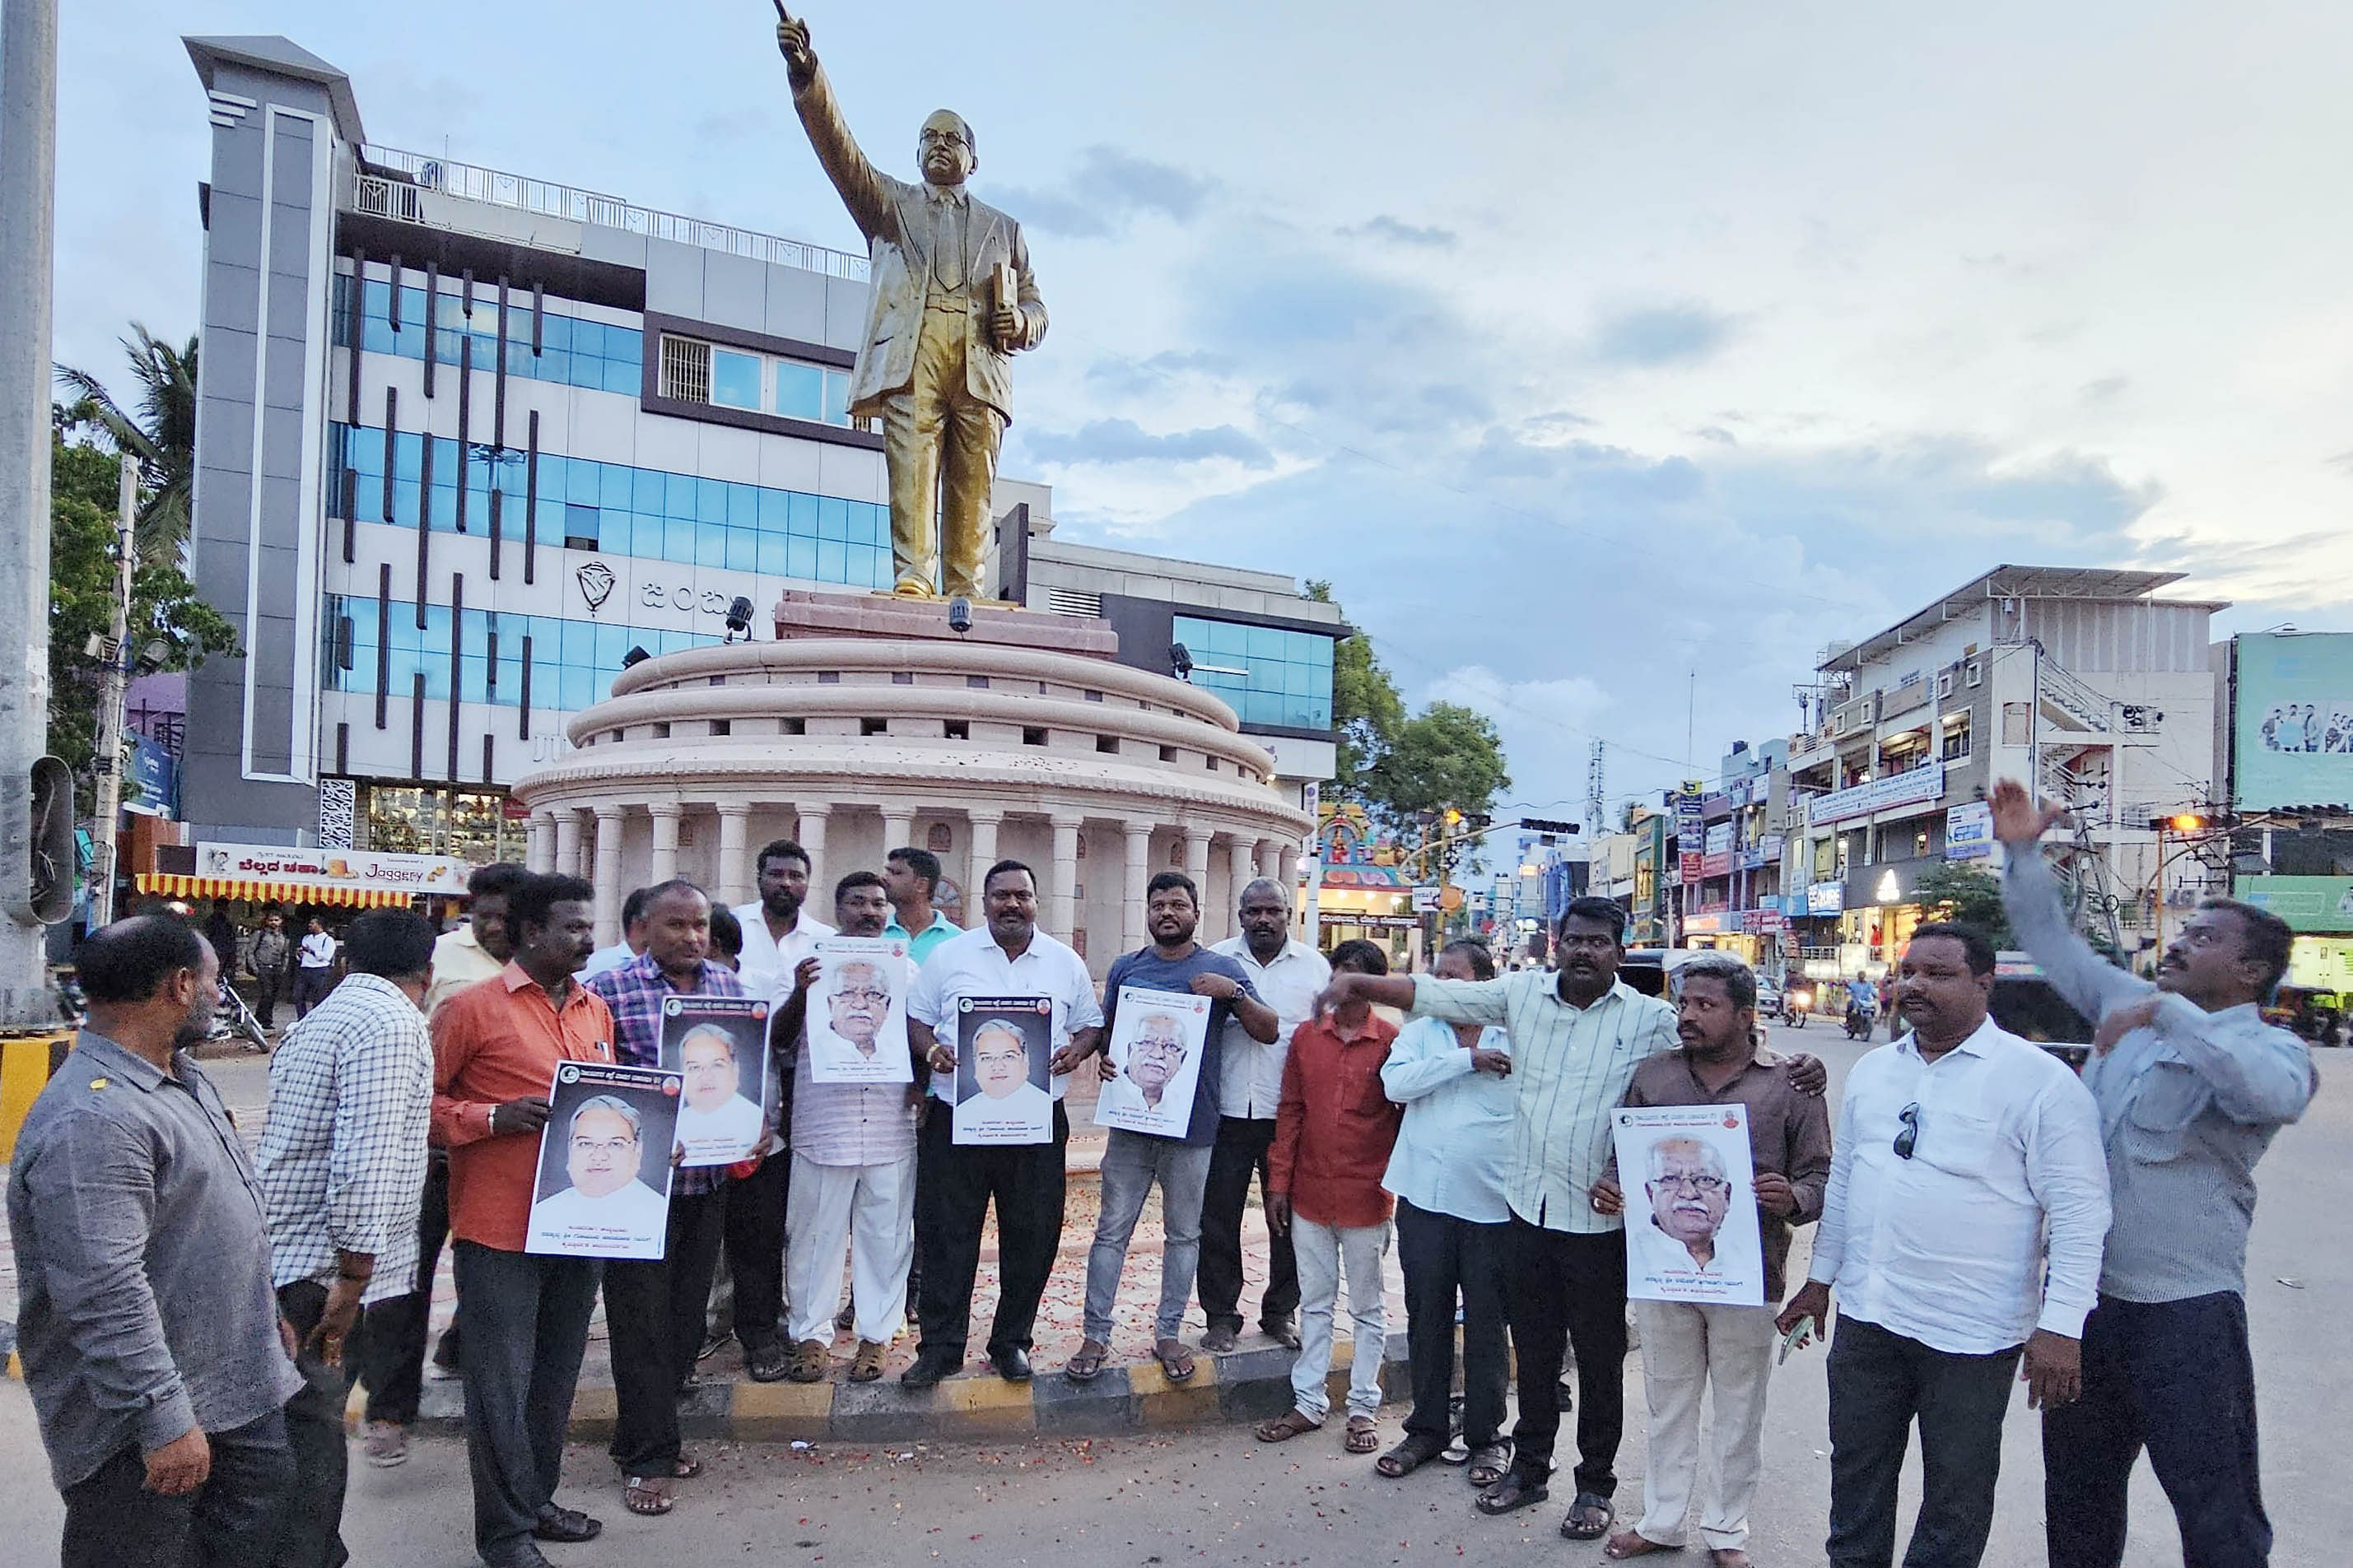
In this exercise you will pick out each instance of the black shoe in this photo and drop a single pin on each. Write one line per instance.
(1012, 1363)
(566, 1525)
(1281, 1331)
(929, 1369)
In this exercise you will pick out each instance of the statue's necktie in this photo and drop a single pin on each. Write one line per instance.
(947, 244)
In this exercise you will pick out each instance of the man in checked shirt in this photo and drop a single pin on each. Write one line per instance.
(342, 1166)
(654, 1307)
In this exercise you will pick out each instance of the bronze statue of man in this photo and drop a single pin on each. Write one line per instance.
(953, 297)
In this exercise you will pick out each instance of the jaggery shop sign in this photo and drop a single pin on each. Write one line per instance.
(331, 868)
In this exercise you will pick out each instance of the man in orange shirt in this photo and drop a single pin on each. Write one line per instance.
(495, 1050)
(1334, 1130)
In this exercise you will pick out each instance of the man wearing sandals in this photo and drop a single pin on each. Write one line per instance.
(1334, 1131)
(1133, 1162)
(654, 1307)
(1447, 1173)
(1687, 1346)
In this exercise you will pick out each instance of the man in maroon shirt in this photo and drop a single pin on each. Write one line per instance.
(1334, 1132)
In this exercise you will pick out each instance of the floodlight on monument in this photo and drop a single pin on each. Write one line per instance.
(739, 619)
(634, 657)
(959, 614)
(1180, 661)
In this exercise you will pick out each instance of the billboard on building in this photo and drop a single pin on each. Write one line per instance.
(2307, 903)
(1969, 831)
(2292, 729)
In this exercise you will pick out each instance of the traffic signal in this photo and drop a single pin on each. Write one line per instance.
(2183, 823)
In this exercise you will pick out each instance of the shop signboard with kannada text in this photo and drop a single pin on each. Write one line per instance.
(2292, 727)
(331, 870)
(1910, 788)
(1969, 831)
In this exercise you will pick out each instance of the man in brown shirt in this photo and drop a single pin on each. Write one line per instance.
(495, 1050)
(1689, 1346)
(1335, 1129)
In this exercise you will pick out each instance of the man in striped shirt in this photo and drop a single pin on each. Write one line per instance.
(1577, 1035)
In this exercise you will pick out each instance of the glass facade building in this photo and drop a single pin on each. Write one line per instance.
(1268, 675)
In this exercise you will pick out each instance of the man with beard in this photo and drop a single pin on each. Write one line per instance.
(151, 1342)
(1008, 956)
(1962, 1228)
(1288, 975)
(1133, 1162)
(2192, 1086)
(1577, 1037)
(1689, 1348)
(778, 932)
(853, 1162)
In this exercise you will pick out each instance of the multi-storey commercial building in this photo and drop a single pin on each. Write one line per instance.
(1732, 899)
(471, 442)
(2078, 679)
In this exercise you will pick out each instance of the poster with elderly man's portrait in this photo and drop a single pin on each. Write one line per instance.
(604, 1163)
(858, 1012)
(1156, 1047)
(1003, 1091)
(718, 1046)
(1692, 1233)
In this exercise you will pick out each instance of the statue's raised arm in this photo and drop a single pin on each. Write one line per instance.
(951, 298)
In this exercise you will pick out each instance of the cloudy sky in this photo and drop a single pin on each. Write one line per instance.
(1582, 346)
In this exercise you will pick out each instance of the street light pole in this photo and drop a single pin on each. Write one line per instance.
(112, 693)
(28, 161)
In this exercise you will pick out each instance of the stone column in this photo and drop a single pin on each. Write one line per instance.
(1139, 872)
(811, 837)
(1061, 905)
(1242, 865)
(1269, 860)
(734, 874)
(609, 875)
(665, 862)
(1197, 865)
(568, 842)
(541, 856)
(978, 858)
(898, 829)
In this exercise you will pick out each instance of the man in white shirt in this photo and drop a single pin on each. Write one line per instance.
(778, 930)
(314, 973)
(1287, 976)
(1964, 1160)
(954, 1182)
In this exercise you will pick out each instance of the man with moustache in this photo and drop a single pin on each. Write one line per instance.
(1962, 1228)
(654, 1307)
(853, 1163)
(152, 1343)
(1577, 1036)
(1134, 1161)
(1288, 975)
(2192, 1086)
(1689, 1347)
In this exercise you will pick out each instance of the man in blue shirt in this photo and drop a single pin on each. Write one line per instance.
(2191, 1085)
(1133, 1162)
(910, 878)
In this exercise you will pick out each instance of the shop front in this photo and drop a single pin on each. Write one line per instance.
(253, 875)
(1362, 889)
(2320, 911)
(1880, 907)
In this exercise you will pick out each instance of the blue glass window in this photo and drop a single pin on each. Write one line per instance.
(1270, 676)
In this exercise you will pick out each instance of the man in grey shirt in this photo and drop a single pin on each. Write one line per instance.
(2191, 1085)
(151, 1339)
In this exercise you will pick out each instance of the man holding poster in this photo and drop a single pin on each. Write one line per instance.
(604, 1182)
(1169, 1004)
(1731, 1154)
(858, 1026)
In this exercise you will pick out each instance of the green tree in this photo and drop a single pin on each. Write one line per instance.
(171, 628)
(161, 437)
(1367, 711)
(1957, 891)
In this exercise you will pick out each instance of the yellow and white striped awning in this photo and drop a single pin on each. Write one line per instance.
(167, 886)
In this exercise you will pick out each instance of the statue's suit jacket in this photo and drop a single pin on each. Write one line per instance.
(897, 222)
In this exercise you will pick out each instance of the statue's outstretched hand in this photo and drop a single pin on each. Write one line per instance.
(793, 43)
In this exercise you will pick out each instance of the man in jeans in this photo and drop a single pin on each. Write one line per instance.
(151, 1344)
(2192, 1086)
(1690, 1348)
(1133, 1160)
(267, 959)
(1336, 1130)
(342, 1163)
(495, 1050)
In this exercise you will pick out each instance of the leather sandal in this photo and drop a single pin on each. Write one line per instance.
(866, 1366)
(810, 1362)
(1088, 1364)
(1489, 1462)
(1580, 1523)
(1176, 1361)
(1516, 1491)
(1292, 1423)
(1408, 1457)
(1364, 1435)
(647, 1497)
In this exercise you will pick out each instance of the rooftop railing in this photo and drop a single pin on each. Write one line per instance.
(391, 181)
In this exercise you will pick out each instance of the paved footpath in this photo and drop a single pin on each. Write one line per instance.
(1209, 1494)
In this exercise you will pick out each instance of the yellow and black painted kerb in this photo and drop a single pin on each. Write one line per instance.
(27, 1061)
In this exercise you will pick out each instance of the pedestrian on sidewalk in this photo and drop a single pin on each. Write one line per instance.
(654, 1307)
(956, 1182)
(1133, 1162)
(2192, 1086)
(151, 1341)
(268, 958)
(1725, 1352)
(853, 1178)
(495, 1050)
(341, 1168)
(1453, 1222)
(1962, 1226)
(314, 972)
(1337, 1128)
(1288, 975)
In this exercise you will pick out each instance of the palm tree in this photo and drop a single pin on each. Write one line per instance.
(162, 440)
